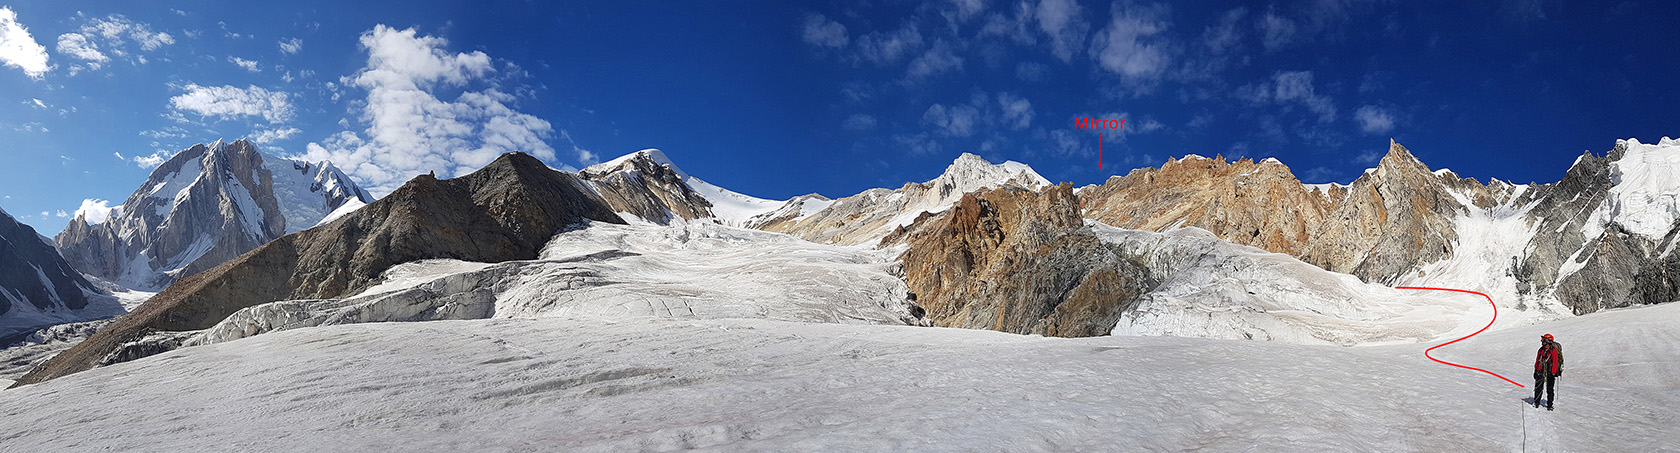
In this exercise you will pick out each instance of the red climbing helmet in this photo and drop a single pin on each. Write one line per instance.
(1547, 337)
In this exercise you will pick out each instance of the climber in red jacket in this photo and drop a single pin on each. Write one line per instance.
(1548, 365)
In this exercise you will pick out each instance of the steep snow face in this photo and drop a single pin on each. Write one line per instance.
(1216, 289)
(696, 270)
(308, 193)
(1646, 197)
(756, 385)
(1485, 256)
(728, 207)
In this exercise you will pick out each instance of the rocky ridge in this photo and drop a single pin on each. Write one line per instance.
(504, 211)
(37, 286)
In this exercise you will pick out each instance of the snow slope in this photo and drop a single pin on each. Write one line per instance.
(1216, 289)
(590, 384)
(696, 270)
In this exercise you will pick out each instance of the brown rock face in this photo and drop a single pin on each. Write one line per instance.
(1018, 261)
(505, 211)
(1254, 204)
(643, 185)
(1388, 222)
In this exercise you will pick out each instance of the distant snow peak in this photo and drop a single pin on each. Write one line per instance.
(205, 205)
(970, 172)
(653, 155)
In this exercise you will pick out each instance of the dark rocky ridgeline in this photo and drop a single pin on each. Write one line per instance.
(505, 211)
(32, 269)
(1018, 261)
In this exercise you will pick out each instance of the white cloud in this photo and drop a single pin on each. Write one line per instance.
(97, 41)
(821, 31)
(1374, 120)
(60, 214)
(1225, 35)
(938, 59)
(1064, 21)
(953, 121)
(96, 211)
(1276, 31)
(264, 136)
(228, 102)
(249, 65)
(410, 130)
(157, 157)
(883, 48)
(1017, 111)
(37, 103)
(859, 122)
(966, 9)
(1297, 86)
(291, 46)
(918, 144)
(18, 48)
(1124, 47)
(1368, 158)
(586, 157)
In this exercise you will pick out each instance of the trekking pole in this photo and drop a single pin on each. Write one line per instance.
(1524, 412)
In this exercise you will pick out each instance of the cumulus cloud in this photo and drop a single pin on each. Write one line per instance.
(410, 131)
(939, 58)
(230, 102)
(822, 31)
(96, 211)
(883, 48)
(18, 48)
(291, 46)
(1017, 111)
(1064, 22)
(249, 65)
(1276, 31)
(264, 136)
(101, 38)
(1374, 120)
(1296, 86)
(78, 45)
(1125, 48)
(1288, 88)
(953, 121)
(157, 158)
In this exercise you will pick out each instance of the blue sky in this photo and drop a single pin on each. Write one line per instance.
(777, 99)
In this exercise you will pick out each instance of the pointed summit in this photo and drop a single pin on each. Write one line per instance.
(969, 173)
(203, 206)
(1399, 158)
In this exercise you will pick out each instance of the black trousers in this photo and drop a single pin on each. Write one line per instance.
(1549, 383)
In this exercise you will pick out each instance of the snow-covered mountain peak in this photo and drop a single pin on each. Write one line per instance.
(1645, 198)
(650, 155)
(203, 206)
(969, 173)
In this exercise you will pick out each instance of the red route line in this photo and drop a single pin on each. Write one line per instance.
(1490, 324)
